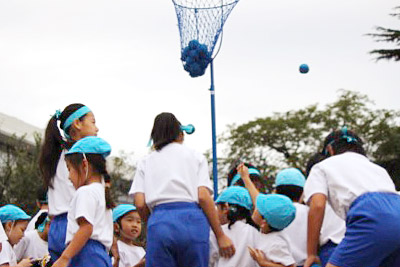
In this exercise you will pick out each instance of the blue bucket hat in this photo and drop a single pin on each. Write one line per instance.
(236, 195)
(121, 210)
(91, 145)
(290, 176)
(278, 210)
(11, 212)
(237, 176)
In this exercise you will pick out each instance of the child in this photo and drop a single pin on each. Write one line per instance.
(42, 204)
(34, 243)
(128, 226)
(76, 121)
(14, 221)
(235, 205)
(90, 229)
(255, 176)
(333, 227)
(273, 213)
(290, 182)
(360, 192)
(174, 184)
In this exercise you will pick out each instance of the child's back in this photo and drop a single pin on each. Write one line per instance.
(242, 235)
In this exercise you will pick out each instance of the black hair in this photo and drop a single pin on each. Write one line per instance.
(54, 143)
(40, 219)
(41, 195)
(342, 141)
(98, 164)
(314, 159)
(233, 172)
(237, 213)
(293, 192)
(166, 129)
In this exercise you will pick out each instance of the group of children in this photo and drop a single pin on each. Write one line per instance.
(344, 214)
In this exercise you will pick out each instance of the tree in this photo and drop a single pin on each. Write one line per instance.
(290, 138)
(387, 35)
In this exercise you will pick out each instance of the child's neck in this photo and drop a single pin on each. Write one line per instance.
(42, 236)
(127, 240)
(94, 178)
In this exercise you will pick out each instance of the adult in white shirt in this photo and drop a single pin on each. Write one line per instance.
(360, 192)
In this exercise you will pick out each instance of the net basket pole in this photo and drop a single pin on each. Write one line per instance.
(214, 136)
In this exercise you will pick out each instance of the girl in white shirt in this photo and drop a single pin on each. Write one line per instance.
(127, 228)
(90, 227)
(173, 184)
(76, 122)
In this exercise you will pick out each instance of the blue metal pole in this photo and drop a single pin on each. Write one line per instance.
(214, 135)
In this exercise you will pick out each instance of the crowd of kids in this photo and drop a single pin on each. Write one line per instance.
(343, 212)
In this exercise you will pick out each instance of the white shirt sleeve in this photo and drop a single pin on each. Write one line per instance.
(138, 180)
(86, 206)
(3, 236)
(315, 183)
(7, 254)
(203, 174)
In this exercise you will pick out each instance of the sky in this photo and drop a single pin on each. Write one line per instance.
(122, 59)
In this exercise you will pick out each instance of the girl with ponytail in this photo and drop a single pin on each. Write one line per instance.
(90, 225)
(76, 122)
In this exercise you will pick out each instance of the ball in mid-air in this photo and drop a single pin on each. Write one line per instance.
(304, 68)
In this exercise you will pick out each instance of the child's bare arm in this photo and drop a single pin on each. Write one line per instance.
(244, 174)
(226, 247)
(77, 243)
(140, 203)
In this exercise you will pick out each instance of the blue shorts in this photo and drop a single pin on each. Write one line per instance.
(57, 234)
(373, 231)
(177, 236)
(93, 254)
(325, 252)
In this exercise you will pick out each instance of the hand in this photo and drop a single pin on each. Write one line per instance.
(226, 247)
(243, 170)
(61, 262)
(311, 259)
(25, 263)
(258, 256)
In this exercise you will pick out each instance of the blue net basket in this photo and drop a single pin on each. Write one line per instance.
(200, 25)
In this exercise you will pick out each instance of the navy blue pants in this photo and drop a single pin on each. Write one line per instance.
(177, 236)
(325, 252)
(93, 254)
(373, 231)
(57, 234)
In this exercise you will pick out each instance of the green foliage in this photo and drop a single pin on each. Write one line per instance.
(19, 173)
(121, 173)
(290, 138)
(390, 36)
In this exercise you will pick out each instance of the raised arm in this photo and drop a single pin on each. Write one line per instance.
(244, 174)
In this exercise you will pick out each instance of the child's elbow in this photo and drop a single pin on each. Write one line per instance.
(204, 195)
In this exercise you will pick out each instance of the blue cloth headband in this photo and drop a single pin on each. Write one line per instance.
(76, 115)
(237, 176)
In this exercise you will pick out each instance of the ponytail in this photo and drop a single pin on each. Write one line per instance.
(237, 213)
(109, 199)
(53, 144)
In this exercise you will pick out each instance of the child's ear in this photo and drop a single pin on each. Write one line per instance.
(264, 227)
(116, 228)
(225, 208)
(7, 226)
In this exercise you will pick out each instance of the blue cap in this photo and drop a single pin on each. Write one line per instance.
(290, 176)
(278, 210)
(236, 195)
(11, 212)
(237, 176)
(91, 145)
(121, 210)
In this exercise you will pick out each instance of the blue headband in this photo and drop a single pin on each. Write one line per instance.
(349, 139)
(237, 177)
(74, 116)
(43, 224)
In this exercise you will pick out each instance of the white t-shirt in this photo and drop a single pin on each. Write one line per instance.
(344, 177)
(129, 255)
(89, 203)
(296, 234)
(7, 254)
(333, 227)
(242, 235)
(31, 246)
(31, 224)
(3, 236)
(63, 190)
(276, 247)
(172, 174)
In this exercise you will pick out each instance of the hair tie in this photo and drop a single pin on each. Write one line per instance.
(57, 115)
